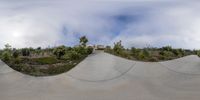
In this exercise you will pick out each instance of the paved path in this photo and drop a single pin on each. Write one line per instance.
(103, 76)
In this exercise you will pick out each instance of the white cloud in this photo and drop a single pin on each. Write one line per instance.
(25, 23)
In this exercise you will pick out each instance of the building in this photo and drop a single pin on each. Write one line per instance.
(99, 47)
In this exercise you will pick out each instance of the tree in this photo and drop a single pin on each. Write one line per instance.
(7, 47)
(118, 48)
(25, 52)
(59, 51)
(39, 48)
(83, 41)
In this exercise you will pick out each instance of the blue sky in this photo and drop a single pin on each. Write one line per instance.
(139, 23)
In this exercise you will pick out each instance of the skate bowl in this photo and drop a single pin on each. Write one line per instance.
(102, 76)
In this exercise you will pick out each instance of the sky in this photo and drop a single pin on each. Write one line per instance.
(138, 23)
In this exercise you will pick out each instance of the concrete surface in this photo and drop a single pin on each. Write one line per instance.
(103, 76)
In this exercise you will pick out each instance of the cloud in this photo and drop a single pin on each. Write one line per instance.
(45, 23)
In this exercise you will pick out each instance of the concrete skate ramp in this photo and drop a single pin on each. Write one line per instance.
(186, 65)
(101, 67)
(4, 68)
(120, 80)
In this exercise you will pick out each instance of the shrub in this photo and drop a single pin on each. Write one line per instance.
(6, 56)
(15, 54)
(72, 55)
(118, 48)
(17, 60)
(59, 51)
(25, 52)
(146, 53)
(89, 50)
(141, 56)
(198, 53)
(124, 54)
(134, 51)
(81, 50)
(167, 48)
(166, 53)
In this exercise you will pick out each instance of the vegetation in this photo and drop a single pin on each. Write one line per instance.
(47, 61)
(59, 51)
(83, 41)
(149, 54)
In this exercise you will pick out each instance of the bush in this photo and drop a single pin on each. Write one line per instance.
(141, 56)
(166, 53)
(135, 52)
(146, 53)
(124, 54)
(178, 52)
(118, 48)
(81, 50)
(15, 54)
(167, 48)
(17, 60)
(6, 56)
(89, 50)
(25, 52)
(198, 53)
(72, 55)
(59, 51)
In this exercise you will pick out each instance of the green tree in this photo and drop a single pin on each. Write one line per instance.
(8, 47)
(118, 48)
(83, 41)
(39, 48)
